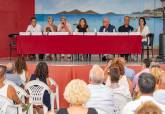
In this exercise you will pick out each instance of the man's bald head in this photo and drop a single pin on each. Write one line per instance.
(162, 81)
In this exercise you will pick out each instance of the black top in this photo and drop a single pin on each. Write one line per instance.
(65, 111)
(80, 29)
(125, 29)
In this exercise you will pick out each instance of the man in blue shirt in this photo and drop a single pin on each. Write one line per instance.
(129, 73)
(11, 75)
(107, 27)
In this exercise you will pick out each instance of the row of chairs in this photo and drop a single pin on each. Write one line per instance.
(36, 91)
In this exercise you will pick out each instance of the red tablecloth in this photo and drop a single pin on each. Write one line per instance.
(76, 44)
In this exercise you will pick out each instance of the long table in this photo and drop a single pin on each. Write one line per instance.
(79, 44)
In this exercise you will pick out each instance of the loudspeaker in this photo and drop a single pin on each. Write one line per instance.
(162, 45)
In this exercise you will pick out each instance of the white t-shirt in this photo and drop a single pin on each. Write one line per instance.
(37, 28)
(131, 107)
(144, 32)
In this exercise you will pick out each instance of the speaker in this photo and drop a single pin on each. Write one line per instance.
(162, 45)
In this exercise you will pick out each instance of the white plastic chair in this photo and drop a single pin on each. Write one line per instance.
(20, 92)
(36, 90)
(7, 106)
(54, 96)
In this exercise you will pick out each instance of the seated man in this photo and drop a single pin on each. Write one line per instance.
(101, 96)
(130, 73)
(11, 75)
(146, 85)
(125, 28)
(34, 27)
(107, 27)
(159, 94)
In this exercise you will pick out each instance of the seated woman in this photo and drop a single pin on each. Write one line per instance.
(120, 97)
(7, 90)
(124, 81)
(77, 94)
(83, 27)
(22, 70)
(144, 30)
(41, 72)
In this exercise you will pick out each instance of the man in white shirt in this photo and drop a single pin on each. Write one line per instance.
(146, 84)
(101, 96)
(34, 27)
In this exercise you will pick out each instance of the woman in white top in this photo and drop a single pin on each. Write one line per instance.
(143, 29)
(22, 71)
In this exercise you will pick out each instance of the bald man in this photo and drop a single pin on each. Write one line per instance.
(159, 95)
(107, 27)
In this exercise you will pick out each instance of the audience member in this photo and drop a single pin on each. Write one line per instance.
(124, 81)
(77, 94)
(107, 27)
(146, 69)
(159, 95)
(120, 97)
(146, 84)
(148, 108)
(7, 90)
(22, 70)
(130, 73)
(41, 73)
(12, 75)
(101, 96)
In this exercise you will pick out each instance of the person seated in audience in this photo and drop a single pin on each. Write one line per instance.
(12, 75)
(146, 84)
(120, 97)
(124, 81)
(33, 27)
(107, 27)
(52, 27)
(146, 69)
(41, 73)
(101, 96)
(143, 29)
(22, 70)
(82, 26)
(77, 94)
(64, 25)
(130, 73)
(148, 108)
(7, 90)
(126, 28)
(159, 94)
(156, 71)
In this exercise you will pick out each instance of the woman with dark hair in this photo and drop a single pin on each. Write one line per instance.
(82, 26)
(143, 29)
(41, 73)
(21, 69)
